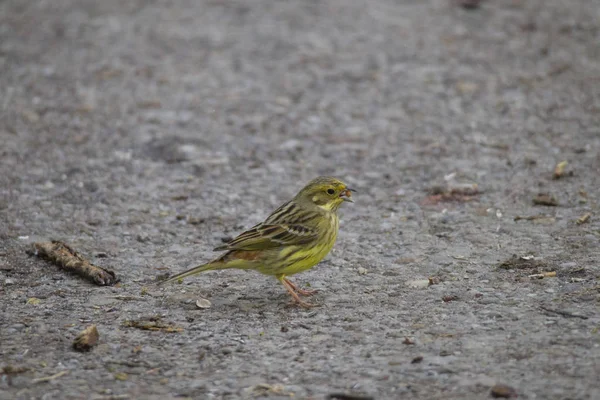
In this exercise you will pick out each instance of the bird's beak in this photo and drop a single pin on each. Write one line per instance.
(346, 195)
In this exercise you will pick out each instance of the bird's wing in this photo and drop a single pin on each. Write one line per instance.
(285, 227)
(268, 236)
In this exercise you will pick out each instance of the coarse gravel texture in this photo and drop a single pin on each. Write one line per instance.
(144, 133)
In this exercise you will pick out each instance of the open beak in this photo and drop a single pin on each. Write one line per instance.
(346, 195)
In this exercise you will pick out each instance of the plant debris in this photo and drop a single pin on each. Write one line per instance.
(153, 324)
(10, 370)
(418, 283)
(51, 377)
(583, 219)
(263, 389)
(563, 313)
(447, 299)
(434, 280)
(455, 193)
(344, 396)
(545, 199)
(551, 274)
(523, 262)
(500, 391)
(68, 259)
(121, 376)
(559, 170)
(534, 218)
(87, 339)
(34, 301)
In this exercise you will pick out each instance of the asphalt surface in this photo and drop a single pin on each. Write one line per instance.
(144, 133)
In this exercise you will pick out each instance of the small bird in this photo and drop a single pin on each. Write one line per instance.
(293, 239)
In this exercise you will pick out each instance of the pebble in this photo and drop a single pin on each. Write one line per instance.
(418, 283)
(500, 391)
(203, 303)
(9, 281)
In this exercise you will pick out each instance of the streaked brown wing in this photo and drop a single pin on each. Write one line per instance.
(264, 236)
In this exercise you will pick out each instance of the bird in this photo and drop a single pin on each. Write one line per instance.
(292, 239)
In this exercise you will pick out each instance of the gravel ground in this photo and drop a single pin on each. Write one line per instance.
(144, 133)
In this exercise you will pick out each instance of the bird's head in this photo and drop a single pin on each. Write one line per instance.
(326, 192)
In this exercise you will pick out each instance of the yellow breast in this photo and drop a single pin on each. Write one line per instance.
(302, 258)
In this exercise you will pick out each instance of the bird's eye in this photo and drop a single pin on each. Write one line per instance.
(330, 191)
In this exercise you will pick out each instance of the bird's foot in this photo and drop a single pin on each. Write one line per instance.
(304, 304)
(296, 289)
(292, 289)
(304, 292)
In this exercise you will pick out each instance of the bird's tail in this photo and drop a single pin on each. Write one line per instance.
(216, 264)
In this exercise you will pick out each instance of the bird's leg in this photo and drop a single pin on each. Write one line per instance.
(291, 291)
(296, 289)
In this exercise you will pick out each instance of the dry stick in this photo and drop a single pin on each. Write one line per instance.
(50, 378)
(68, 259)
(563, 313)
(531, 217)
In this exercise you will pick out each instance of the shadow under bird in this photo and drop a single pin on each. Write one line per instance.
(293, 239)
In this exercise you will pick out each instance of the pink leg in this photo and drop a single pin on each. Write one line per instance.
(303, 292)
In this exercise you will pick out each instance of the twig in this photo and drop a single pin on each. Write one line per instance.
(583, 219)
(68, 259)
(127, 298)
(51, 378)
(565, 314)
(152, 325)
(530, 217)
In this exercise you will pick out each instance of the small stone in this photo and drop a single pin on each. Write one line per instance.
(283, 101)
(31, 116)
(9, 281)
(362, 271)
(501, 391)
(203, 303)
(417, 360)
(291, 144)
(48, 185)
(466, 87)
(449, 298)
(418, 283)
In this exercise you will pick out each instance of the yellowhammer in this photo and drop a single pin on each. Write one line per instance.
(294, 238)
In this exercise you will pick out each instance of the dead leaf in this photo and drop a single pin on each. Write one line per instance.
(583, 219)
(559, 170)
(545, 199)
(87, 339)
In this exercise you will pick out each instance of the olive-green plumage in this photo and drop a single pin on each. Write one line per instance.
(294, 238)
